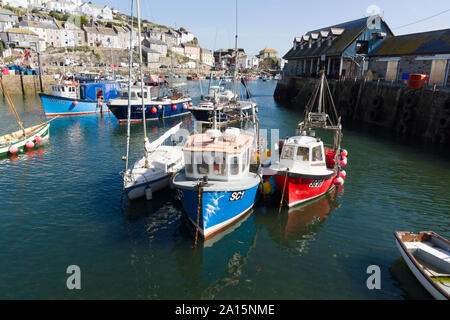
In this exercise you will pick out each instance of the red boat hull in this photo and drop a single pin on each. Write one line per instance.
(298, 190)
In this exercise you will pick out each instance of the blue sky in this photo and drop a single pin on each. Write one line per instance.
(274, 23)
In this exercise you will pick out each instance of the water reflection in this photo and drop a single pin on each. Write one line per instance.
(216, 263)
(295, 227)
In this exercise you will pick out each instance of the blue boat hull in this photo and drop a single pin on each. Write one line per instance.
(218, 209)
(54, 106)
(163, 110)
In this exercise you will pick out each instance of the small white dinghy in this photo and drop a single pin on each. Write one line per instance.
(163, 161)
(427, 254)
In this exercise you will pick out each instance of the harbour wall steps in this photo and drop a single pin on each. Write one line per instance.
(416, 113)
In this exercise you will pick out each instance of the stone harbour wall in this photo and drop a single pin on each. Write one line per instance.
(421, 113)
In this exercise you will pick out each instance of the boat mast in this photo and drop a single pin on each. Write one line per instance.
(142, 83)
(235, 53)
(11, 104)
(130, 64)
(321, 93)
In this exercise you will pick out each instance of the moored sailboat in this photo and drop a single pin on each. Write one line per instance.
(25, 137)
(153, 171)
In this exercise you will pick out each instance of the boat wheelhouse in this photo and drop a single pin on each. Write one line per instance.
(72, 98)
(155, 107)
(216, 187)
(306, 170)
(302, 170)
(218, 98)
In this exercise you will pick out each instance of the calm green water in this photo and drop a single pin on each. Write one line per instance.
(60, 205)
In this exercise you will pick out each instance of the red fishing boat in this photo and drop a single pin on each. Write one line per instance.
(308, 168)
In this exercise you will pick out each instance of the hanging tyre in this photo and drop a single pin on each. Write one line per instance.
(444, 122)
(410, 101)
(377, 102)
(407, 115)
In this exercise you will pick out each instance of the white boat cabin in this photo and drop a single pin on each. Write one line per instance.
(219, 156)
(65, 90)
(136, 93)
(219, 93)
(303, 154)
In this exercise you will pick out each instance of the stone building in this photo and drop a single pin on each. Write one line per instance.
(19, 37)
(48, 31)
(423, 53)
(342, 50)
(156, 45)
(152, 56)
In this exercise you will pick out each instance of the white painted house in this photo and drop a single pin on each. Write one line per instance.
(96, 11)
(63, 6)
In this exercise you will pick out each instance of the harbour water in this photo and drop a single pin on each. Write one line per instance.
(61, 206)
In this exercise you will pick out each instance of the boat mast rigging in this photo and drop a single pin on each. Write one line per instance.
(235, 55)
(146, 142)
(130, 65)
(11, 104)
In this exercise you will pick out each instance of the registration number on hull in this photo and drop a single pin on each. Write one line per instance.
(316, 183)
(237, 195)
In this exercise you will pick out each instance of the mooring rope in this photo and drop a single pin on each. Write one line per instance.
(284, 187)
(200, 196)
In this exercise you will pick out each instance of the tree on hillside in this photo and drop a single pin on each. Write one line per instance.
(269, 63)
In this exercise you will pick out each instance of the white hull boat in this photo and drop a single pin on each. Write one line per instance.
(163, 162)
(427, 254)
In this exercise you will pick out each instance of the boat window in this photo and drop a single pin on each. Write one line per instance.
(244, 160)
(219, 165)
(202, 165)
(63, 89)
(234, 166)
(189, 167)
(288, 152)
(317, 154)
(139, 94)
(303, 154)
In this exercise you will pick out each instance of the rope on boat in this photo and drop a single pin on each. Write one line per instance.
(284, 187)
(200, 198)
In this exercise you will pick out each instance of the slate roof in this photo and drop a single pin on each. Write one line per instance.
(352, 29)
(21, 31)
(433, 42)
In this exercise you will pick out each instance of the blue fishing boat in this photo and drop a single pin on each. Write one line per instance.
(155, 108)
(216, 187)
(71, 98)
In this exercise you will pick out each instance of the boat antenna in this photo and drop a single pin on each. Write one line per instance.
(130, 65)
(11, 104)
(215, 111)
(235, 53)
(142, 84)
